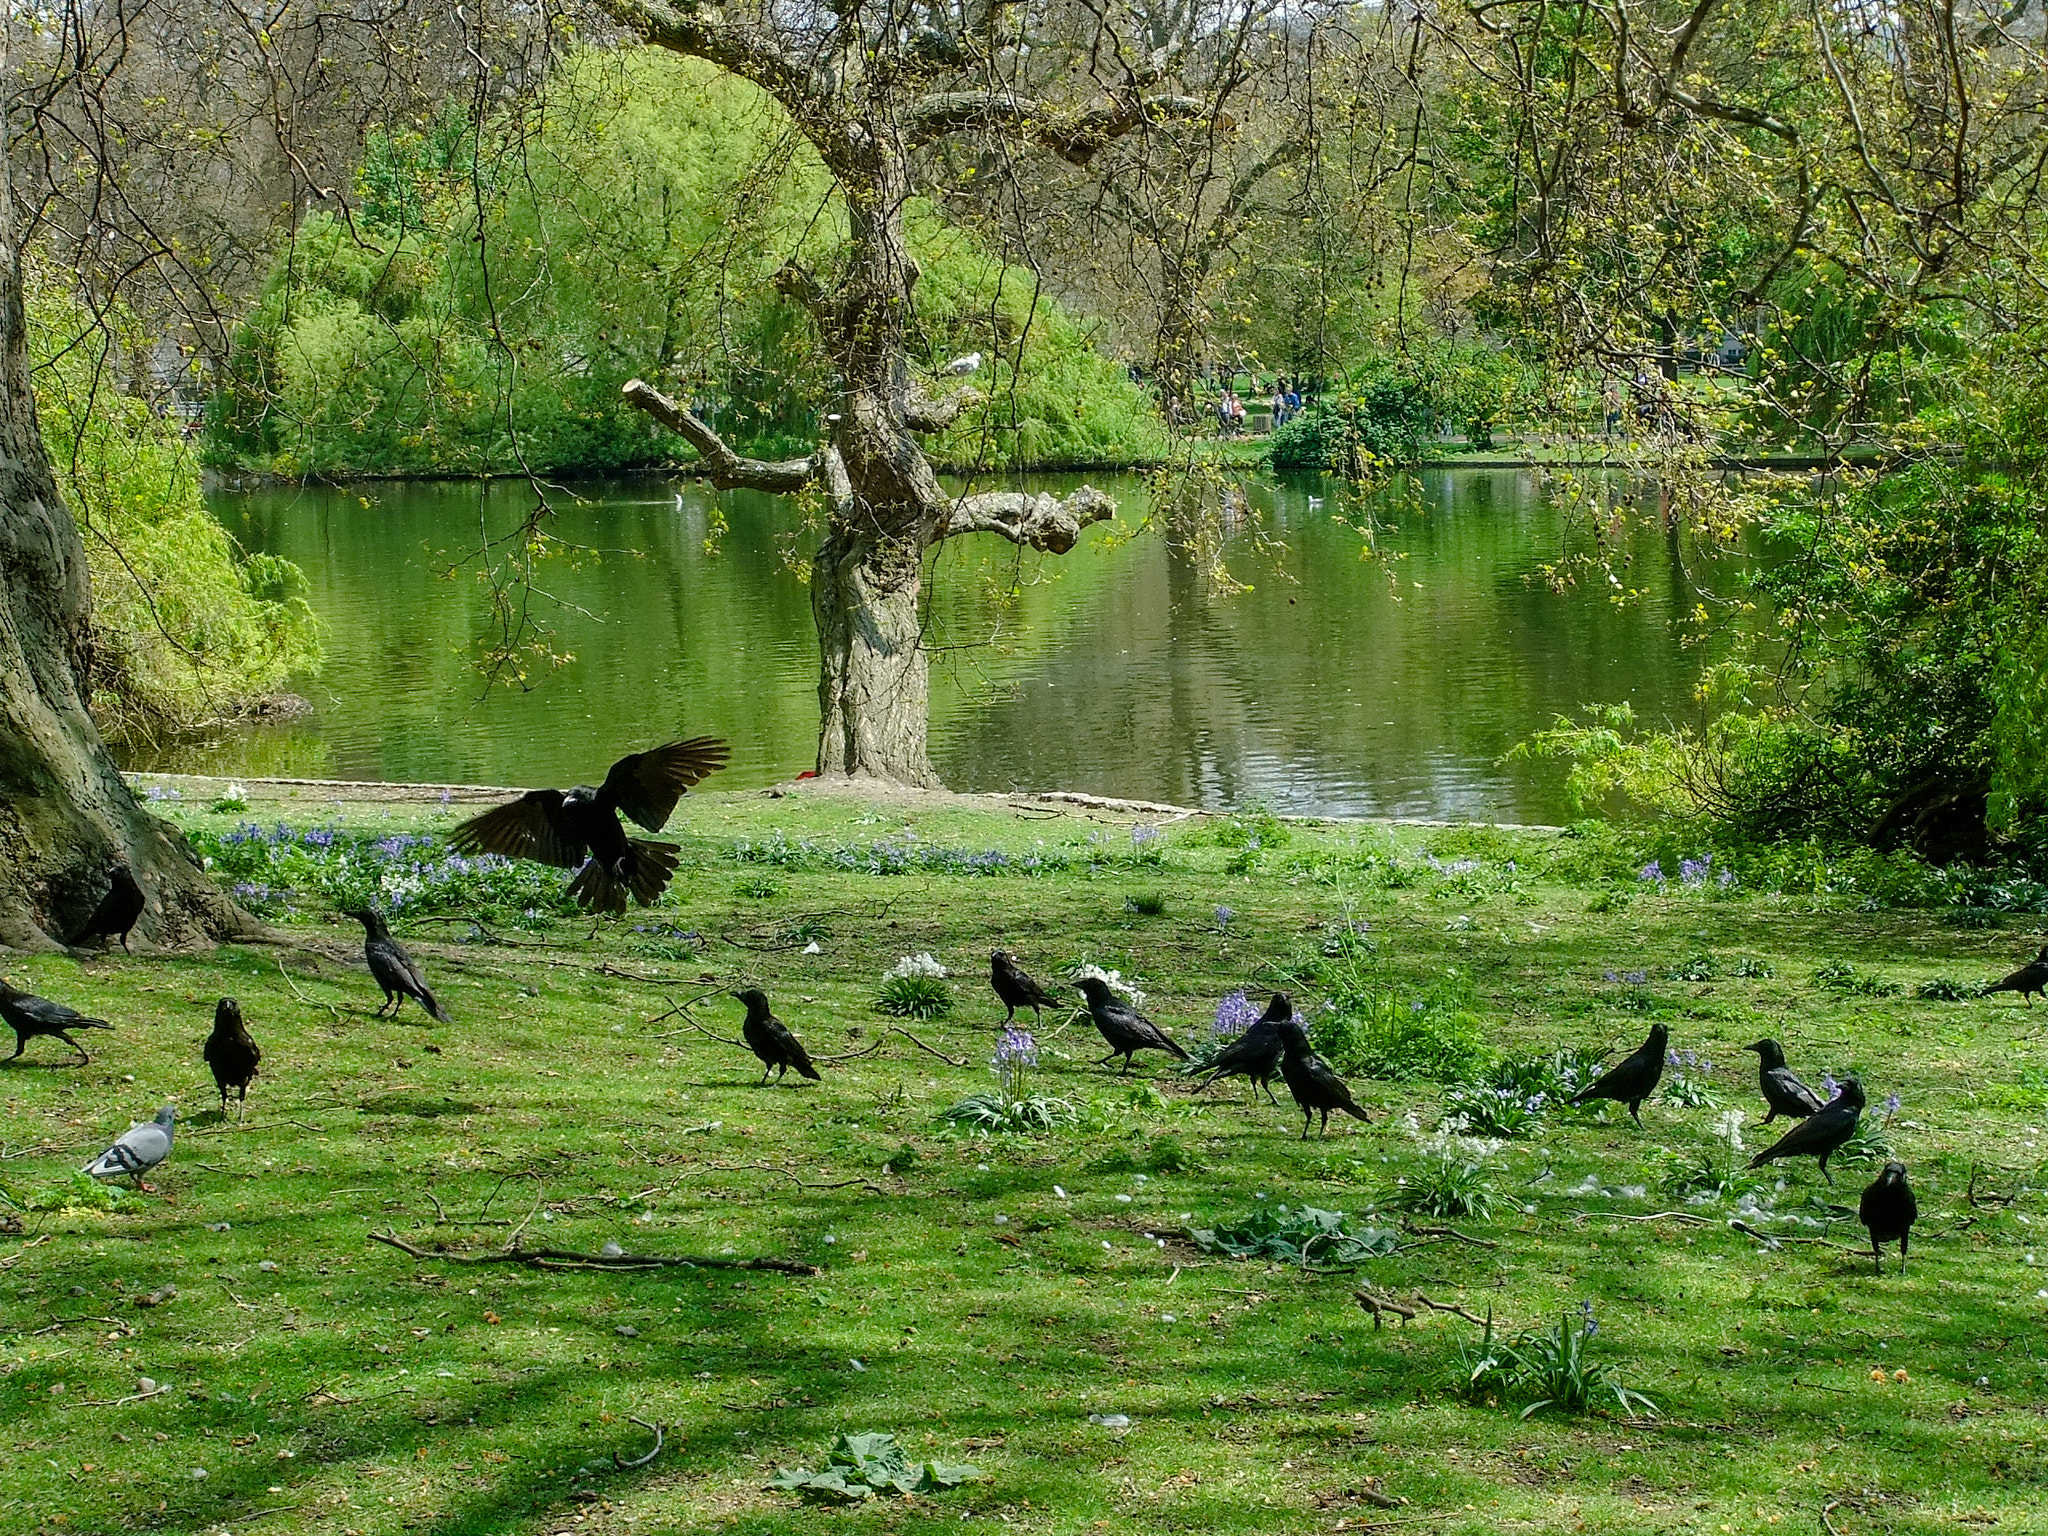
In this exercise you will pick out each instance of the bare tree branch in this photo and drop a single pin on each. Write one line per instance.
(725, 468)
(1047, 522)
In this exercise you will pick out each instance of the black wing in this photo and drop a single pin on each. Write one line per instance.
(531, 827)
(40, 1010)
(1822, 1133)
(647, 785)
(1792, 1091)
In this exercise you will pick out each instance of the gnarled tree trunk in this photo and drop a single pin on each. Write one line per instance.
(873, 688)
(64, 808)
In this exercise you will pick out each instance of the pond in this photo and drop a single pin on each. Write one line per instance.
(1336, 685)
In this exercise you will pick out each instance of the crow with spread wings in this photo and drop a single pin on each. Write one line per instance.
(579, 828)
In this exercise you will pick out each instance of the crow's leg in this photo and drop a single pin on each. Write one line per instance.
(83, 1058)
(20, 1045)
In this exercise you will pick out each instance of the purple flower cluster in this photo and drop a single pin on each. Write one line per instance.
(1015, 1049)
(1455, 867)
(1223, 917)
(1142, 834)
(1688, 1061)
(1234, 1015)
(1651, 873)
(1628, 978)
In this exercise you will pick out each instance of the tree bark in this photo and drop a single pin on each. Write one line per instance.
(873, 678)
(64, 807)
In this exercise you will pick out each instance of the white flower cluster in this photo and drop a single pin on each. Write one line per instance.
(1445, 1142)
(915, 965)
(1134, 994)
(1729, 1128)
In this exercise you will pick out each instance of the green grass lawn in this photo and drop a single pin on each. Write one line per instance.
(982, 1298)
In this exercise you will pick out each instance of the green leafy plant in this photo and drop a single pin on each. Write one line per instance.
(915, 997)
(1386, 1035)
(1489, 1111)
(758, 887)
(1444, 1186)
(1841, 976)
(1945, 989)
(1145, 903)
(1010, 1106)
(1304, 1235)
(867, 1466)
(1551, 1366)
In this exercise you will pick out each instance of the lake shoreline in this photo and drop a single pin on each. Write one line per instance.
(201, 789)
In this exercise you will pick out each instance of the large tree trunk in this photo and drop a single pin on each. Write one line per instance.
(873, 677)
(64, 808)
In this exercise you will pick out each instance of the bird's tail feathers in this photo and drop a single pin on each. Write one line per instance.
(1355, 1112)
(802, 1063)
(433, 1005)
(1174, 1046)
(649, 868)
(88, 1024)
(595, 890)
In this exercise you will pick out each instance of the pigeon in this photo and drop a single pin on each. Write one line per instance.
(579, 829)
(1312, 1080)
(1125, 1028)
(396, 971)
(2027, 980)
(1783, 1092)
(118, 910)
(31, 1016)
(769, 1038)
(231, 1054)
(1635, 1078)
(1014, 988)
(141, 1149)
(960, 367)
(1822, 1133)
(1889, 1210)
(1256, 1053)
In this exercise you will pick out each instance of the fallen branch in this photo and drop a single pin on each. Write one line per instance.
(309, 1002)
(1476, 1242)
(1437, 1306)
(118, 1402)
(1696, 1220)
(867, 1184)
(1378, 1305)
(927, 1049)
(1825, 1510)
(866, 1050)
(562, 1258)
(639, 1461)
(1772, 1239)
(1990, 1199)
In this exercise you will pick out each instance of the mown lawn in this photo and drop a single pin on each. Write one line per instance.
(982, 1298)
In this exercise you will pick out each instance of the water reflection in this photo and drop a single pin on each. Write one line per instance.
(1337, 684)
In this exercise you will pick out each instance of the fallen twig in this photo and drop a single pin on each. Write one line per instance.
(639, 1461)
(865, 1183)
(1772, 1239)
(1989, 1199)
(1377, 1305)
(866, 1050)
(117, 1402)
(1825, 1510)
(308, 1001)
(1696, 1220)
(1437, 1306)
(1819, 1386)
(1476, 1242)
(927, 1049)
(562, 1258)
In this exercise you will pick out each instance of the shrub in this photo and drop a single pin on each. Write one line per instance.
(1385, 1035)
(1358, 429)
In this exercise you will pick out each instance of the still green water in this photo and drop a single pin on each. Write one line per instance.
(1337, 685)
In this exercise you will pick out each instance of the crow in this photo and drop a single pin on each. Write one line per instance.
(1014, 988)
(1822, 1133)
(1312, 1080)
(1256, 1053)
(769, 1038)
(118, 910)
(1889, 1210)
(31, 1016)
(580, 829)
(396, 971)
(1783, 1092)
(140, 1149)
(1635, 1078)
(1125, 1028)
(231, 1054)
(2027, 980)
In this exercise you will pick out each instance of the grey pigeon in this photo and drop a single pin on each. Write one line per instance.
(28, 1016)
(141, 1149)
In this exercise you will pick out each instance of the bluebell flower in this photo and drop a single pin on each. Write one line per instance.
(1223, 917)
(1234, 1015)
(1828, 1085)
(1015, 1048)
(1891, 1104)
(1653, 872)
